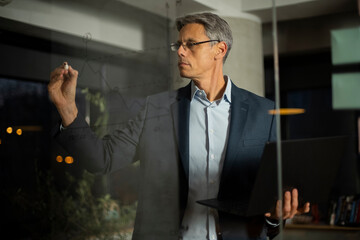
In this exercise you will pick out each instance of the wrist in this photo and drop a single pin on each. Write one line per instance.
(68, 114)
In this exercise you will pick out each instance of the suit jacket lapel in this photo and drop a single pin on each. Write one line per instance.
(239, 112)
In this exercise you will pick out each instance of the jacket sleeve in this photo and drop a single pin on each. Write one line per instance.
(101, 155)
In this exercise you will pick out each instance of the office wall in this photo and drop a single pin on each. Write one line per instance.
(306, 35)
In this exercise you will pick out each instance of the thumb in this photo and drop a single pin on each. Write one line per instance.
(73, 74)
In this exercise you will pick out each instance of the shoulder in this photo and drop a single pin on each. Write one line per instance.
(161, 104)
(162, 98)
(170, 96)
(250, 97)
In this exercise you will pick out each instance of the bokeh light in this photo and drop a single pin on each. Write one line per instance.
(19, 131)
(9, 130)
(287, 111)
(59, 159)
(69, 160)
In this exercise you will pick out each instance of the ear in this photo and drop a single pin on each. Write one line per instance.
(221, 50)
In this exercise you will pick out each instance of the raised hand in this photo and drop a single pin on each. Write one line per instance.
(62, 91)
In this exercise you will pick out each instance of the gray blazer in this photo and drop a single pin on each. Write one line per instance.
(159, 138)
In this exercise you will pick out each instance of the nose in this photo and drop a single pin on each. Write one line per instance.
(181, 50)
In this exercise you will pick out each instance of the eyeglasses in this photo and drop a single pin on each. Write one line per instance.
(188, 45)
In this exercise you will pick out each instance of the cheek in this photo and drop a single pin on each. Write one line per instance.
(201, 59)
(204, 61)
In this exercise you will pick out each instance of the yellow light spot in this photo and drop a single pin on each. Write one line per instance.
(287, 111)
(69, 160)
(19, 131)
(9, 130)
(59, 159)
(0, 140)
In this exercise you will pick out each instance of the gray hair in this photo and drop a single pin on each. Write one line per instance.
(216, 28)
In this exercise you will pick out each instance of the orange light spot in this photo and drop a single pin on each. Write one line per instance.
(19, 131)
(59, 159)
(287, 111)
(9, 130)
(69, 160)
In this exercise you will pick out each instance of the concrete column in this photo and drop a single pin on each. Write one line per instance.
(245, 62)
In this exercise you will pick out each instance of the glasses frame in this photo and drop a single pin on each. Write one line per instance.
(188, 45)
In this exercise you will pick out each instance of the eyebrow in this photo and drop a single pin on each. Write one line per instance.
(188, 40)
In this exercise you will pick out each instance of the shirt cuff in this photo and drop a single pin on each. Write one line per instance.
(272, 223)
(62, 128)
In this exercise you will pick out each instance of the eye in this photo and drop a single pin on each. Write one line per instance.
(190, 44)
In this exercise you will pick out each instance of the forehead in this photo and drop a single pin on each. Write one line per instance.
(192, 31)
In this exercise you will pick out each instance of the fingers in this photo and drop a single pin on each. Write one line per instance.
(294, 203)
(63, 72)
(291, 204)
(290, 208)
(59, 73)
(295, 209)
(72, 73)
(56, 79)
(304, 209)
(287, 205)
(62, 85)
(276, 212)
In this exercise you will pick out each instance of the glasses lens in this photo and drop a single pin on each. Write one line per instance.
(174, 47)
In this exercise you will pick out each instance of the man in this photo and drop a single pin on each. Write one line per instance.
(202, 141)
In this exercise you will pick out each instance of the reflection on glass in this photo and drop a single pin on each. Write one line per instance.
(121, 51)
(59, 159)
(9, 130)
(287, 111)
(69, 160)
(18, 131)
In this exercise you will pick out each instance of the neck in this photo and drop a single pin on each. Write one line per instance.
(213, 85)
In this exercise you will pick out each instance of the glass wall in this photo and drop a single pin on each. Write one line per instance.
(140, 180)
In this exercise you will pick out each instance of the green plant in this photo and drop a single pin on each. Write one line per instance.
(98, 100)
(74, 212)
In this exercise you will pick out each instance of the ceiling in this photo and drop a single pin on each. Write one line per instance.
(286, 9)
(305, 9)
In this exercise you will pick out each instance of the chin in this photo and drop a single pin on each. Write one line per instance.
(183, 74)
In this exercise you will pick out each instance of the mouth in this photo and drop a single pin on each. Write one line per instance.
(182, 64)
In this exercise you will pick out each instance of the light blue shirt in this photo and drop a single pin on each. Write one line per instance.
(208, 134)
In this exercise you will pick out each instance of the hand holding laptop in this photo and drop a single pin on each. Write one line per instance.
(290, 208)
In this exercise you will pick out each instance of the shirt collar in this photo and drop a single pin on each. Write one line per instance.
(226, 96)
